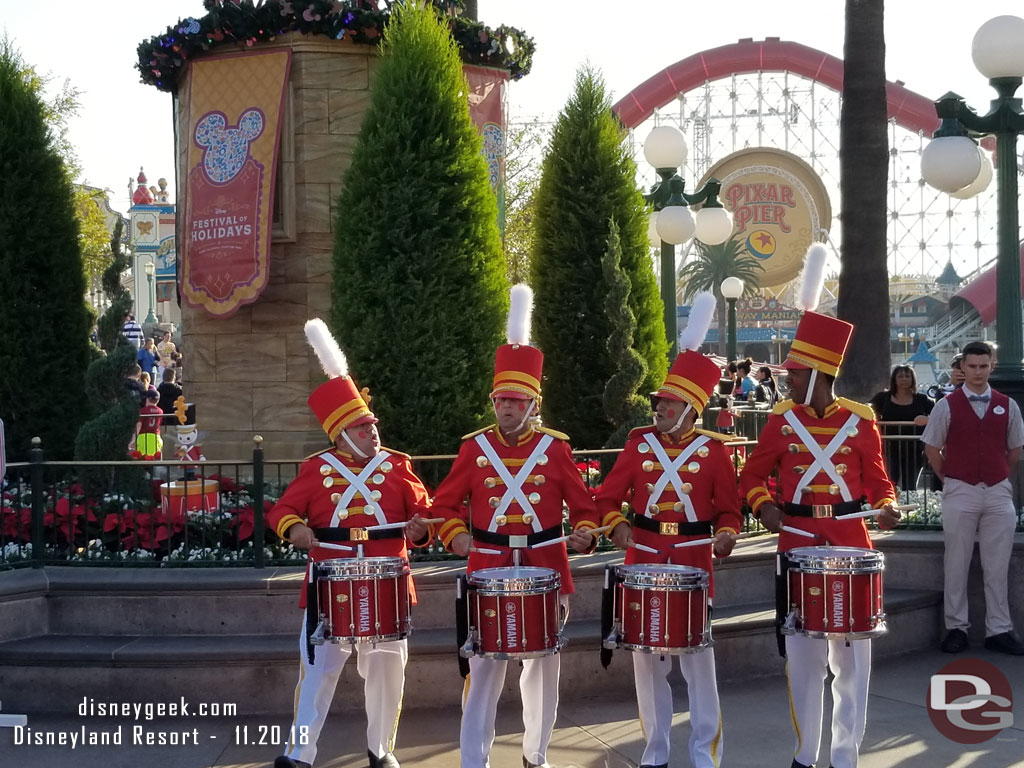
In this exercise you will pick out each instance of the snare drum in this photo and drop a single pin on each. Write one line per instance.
(835, 591)
(363, 600)
(662, 608)
(514, 612)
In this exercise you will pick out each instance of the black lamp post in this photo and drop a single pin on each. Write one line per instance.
(732, 289)
(665, 149)
(952, 162)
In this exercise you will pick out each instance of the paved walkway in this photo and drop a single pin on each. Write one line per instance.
(589, 734)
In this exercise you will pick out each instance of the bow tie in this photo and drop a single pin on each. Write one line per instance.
(978, 398)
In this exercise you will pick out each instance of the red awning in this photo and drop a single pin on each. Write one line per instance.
(980, 293)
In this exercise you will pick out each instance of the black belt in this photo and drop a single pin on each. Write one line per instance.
(517, 542)
(357, 534)
(684, 528)
(823, 510)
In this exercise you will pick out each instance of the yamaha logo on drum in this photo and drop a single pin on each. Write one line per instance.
(364, 609)
(838, 603)
(511, 625)
(655, 605)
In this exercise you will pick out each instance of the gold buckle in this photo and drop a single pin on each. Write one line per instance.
(358, 534)
(821, 510)
(669, 529)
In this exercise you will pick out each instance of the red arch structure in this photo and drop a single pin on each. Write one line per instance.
(910, 110)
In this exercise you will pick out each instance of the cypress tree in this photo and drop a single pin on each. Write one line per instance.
(419, 295)
(588, 179)
(44, 324)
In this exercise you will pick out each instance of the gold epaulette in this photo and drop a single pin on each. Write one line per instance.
(479, 431)
(399, 454)
(863, 410)
(637, 431)
(314, 455)
(553, 432)
(717, 435)
(783, 406)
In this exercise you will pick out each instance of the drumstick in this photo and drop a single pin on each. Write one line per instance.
(790, 529)
(694, 543)
(325, 545)
(562, 539)
(486, 551)
(644, 548)
(876, 512)
(385, 526)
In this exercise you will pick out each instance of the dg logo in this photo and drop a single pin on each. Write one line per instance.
(970, 701)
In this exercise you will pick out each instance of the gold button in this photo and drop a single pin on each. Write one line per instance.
(833, 490)
(703, 451)
(377, 479)
(543, 460)
(328, 482)
(793, 448)
(539, 479)
(500, 520)
(643, 448)
(527, 518)
(799, 470)
(490, 482)
(534, 498)
(325, 469)
(386, 466)
(335, 498)
(678, 506)
(687, 487)
(494, 501)
(786, 429)
(852, 432)
(693, 467)
(650, 487)
(845, 450)
(343, 514)
(647, 466)
(653, 509)
(840, 469)
(375, 495)
(481, 461)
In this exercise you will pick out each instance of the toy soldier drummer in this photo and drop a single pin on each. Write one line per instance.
(337, 496)
(829, 457)
(516, 475)
(681, 485)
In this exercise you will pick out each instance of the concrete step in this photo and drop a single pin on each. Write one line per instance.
(257, 670)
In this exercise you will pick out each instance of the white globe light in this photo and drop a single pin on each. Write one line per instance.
(998, 47)
(652, 231)
(714, 225)
(665, 147)
(981, 181)
(675, 224)
(732, 288)
(950, 163)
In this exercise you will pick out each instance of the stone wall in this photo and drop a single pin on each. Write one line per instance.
(251, 373)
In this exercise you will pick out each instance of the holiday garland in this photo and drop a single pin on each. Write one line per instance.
(244, 23)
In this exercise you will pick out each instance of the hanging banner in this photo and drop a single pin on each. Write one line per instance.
(487, 107)
(233, 133)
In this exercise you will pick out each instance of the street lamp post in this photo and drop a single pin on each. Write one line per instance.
(732, 289)
(778, 338)
(906, 337)
(665, 149)
(150, 268)
(953, 163)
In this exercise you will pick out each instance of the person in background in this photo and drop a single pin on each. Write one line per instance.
(148, 357)
(766, 391)
(901, 402)
(169, 391)
(147, 443)
(164, 350)
(132, 331)
(746, 382)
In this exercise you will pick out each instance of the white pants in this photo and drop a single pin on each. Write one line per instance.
(382, 668)
(654, 697)
(808, 660)
(538, 686)
(985, 512)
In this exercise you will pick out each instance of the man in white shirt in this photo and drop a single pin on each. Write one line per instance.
(132, 331)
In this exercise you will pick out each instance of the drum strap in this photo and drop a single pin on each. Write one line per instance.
(822, 456)
(607, 613)
(782, 566)
(670, 471)
(357, 483)
(461, 623)
(502, 540)
(312, 609)
(513, 485)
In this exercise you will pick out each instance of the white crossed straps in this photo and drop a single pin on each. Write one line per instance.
(514, 485)
(670, 472)
(822, 456)
(357, 483)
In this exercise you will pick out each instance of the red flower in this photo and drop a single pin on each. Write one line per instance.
(16, 524)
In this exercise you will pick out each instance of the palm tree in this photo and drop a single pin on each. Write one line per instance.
(714, 263)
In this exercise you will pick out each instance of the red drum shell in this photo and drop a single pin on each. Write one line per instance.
(836, 591)
(662, 608)
(515, 612)
(364, 600)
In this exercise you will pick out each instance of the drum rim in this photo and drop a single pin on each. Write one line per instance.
(504, 655)
(880, 629)
(540, 583)
(359, 569)
(864, 561)
(709, 642)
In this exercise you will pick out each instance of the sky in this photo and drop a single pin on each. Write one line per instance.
(123, 125)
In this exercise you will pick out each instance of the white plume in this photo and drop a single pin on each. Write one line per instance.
(701, 312)
(813, 277)
(520, 312)
(332, 359)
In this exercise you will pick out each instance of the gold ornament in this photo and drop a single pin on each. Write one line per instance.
(328, 482)
(840, 469)
(527, 518)
(833, 490)
(494, 501)
(543, 460)
(653, 509)
(703, 451)
(647, 466)
(343, 514)
(678, 506)
(377, 479)
(325, 469)
(786, 430)
(643, 448)
(845, 450)
(490, 482)
(335, 498)
(500, 520)
(687, 487)
(693, 467)
(852, 432)
(534, 498)
(649, 487)
(538, 479)
(375, 495)
(481, 461)
(386, 466)
(799, 470)
(793, 448)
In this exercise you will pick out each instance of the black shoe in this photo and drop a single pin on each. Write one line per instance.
(1005, 643)
(384, 761)
(956, 641)
(800, 765)
(528, 764)
(663, 765)
(286, 762)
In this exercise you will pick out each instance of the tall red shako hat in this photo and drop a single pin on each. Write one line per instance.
(336, 403)
(820, 340)
(693, 377)
(518, 366)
